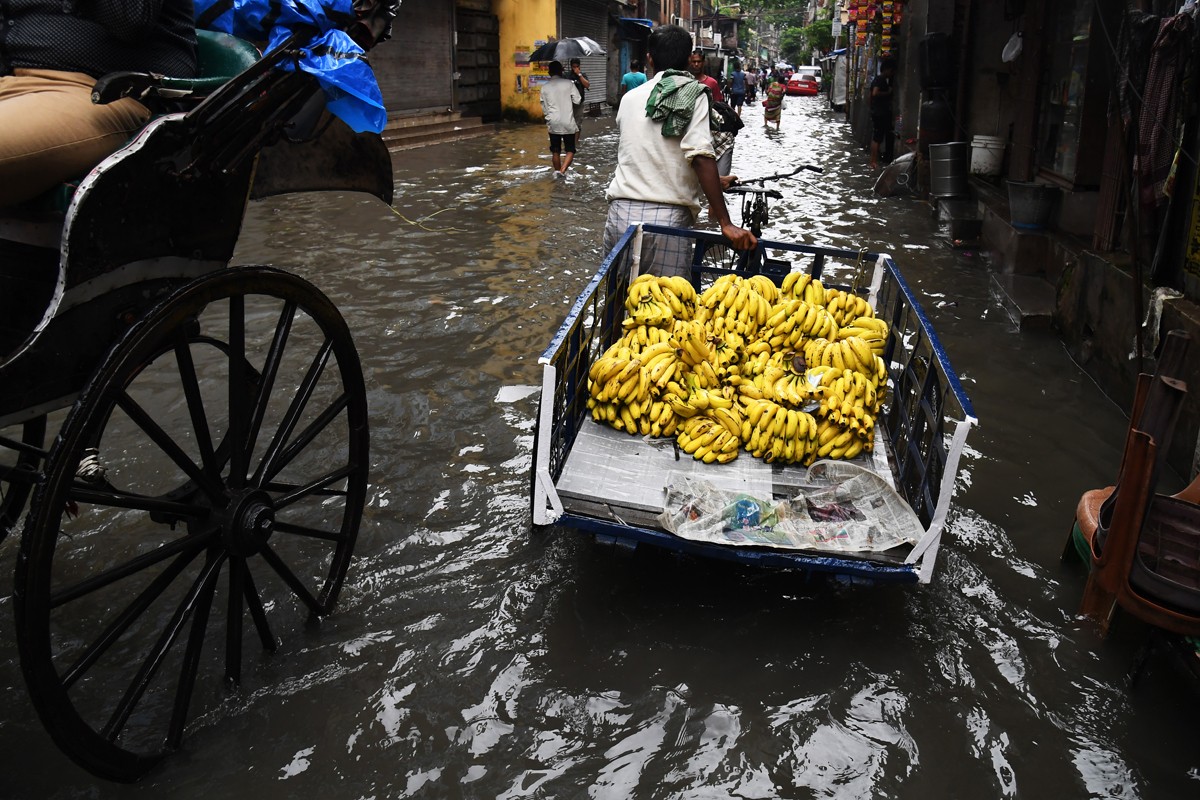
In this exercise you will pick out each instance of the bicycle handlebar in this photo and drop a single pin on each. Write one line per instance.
(780, 175)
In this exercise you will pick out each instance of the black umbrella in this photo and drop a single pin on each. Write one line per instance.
(565, 49)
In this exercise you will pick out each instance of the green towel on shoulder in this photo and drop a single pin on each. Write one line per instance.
(673, 99)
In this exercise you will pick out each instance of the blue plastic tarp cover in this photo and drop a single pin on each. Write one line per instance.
(331, 56)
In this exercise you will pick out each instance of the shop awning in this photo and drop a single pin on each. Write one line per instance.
(634, 28)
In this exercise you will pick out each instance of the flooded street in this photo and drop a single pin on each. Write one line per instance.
(471, 656)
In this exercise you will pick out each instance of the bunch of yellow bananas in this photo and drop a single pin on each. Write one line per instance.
(660, 299)
(845, 306)
(794, 321)
(849, 402)
(708, 441)
(870, 329)
(739, 365)
(624, 386)
(834, 441)
(736, 304)
(774, 432)
(852, 353)
(802, 286)
(639, 336)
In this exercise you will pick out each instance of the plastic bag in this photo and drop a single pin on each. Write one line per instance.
(841, 507)
(724, 118)
(332, 57)
(1012, 49)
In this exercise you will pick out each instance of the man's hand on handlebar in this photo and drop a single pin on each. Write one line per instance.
(727, 181)
(740, 238)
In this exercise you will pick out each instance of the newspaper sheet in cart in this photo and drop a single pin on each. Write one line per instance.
(842, 507)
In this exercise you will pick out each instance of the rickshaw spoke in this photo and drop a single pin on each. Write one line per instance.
(292, 417)
(167, 445)
(205, 583)
(187, 545)
(259, 615)
(305, 438)
(280, 488)
(270, 371)
(195, 404)
(289, 577)
(233, 621)
(300, 492)
(191, 667)
(312, 533)
(116, 498)
(127, 617)
(237, 391)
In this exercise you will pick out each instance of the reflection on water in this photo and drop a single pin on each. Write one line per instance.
(472, 657)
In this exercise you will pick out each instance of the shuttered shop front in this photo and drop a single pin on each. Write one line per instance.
(415, 69)
(589, 18)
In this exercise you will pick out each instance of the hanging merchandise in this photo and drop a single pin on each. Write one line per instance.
(1012, 49)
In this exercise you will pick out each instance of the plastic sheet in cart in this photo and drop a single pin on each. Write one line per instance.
(841, 507)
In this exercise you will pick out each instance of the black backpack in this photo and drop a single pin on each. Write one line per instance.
(724, 119)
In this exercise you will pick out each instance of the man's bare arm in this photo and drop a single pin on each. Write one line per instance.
(710, 182)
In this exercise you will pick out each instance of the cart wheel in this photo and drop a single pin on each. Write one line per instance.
(718, 256)
(13, 494)
(214, 469)
(723, 257)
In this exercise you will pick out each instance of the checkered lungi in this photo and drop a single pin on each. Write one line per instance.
(661, 255)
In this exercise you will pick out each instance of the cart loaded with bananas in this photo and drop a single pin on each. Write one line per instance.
(804, 416)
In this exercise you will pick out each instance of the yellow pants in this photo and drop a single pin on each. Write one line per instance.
(50, 131)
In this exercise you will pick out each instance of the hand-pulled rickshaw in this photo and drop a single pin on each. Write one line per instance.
(207, 480)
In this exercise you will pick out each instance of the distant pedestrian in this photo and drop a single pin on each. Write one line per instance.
(751, 85)
(737, 88)
(773, 104)
(722, 141)
(696, 67)
(559, 99)
(632, 79)
(881, 107)
(580, 78)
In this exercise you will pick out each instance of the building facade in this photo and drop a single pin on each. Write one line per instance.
(1088, 106)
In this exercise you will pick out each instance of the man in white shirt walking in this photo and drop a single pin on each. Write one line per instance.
(559, 98)
(665, 160)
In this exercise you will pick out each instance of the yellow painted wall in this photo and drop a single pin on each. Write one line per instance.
(523, 25)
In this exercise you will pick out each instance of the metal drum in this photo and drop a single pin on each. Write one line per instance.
(948, 169)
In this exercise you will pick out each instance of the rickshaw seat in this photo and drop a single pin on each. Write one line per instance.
(219, 56)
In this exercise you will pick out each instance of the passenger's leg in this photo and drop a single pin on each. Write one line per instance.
(50, 131)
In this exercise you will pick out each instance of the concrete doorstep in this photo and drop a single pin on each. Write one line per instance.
(403, 133)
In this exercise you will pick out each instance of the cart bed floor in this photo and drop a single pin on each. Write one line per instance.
(628, 475)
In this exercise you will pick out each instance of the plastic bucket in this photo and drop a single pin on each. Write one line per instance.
(1030, 204)
(948, 169)
(987, 155)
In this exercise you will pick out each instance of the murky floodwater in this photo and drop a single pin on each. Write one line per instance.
(471, 657)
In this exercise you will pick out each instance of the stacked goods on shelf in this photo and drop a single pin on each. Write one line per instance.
(790, 373)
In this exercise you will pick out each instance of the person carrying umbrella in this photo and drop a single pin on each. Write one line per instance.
(559, 97)
(580, 78)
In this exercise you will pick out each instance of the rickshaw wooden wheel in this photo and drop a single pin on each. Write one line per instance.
(14, 494)
(205, 492)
